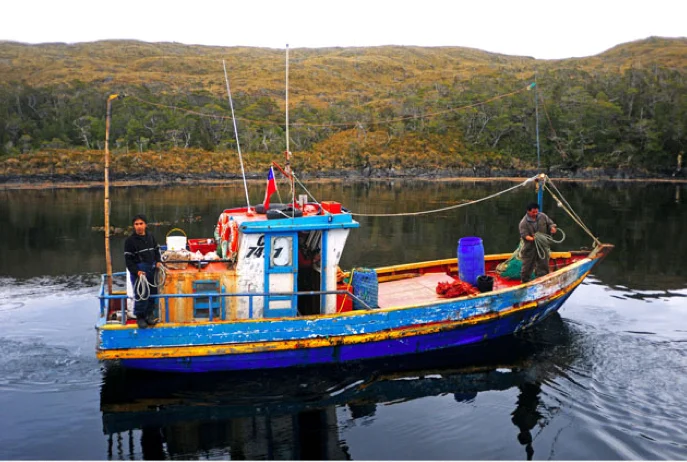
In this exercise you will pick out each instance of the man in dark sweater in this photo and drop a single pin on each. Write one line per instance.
(534, 222)
(142, 256)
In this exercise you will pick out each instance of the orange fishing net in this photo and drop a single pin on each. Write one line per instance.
(455, 289)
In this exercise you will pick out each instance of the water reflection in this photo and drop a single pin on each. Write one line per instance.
(293, 414)
(645, 221)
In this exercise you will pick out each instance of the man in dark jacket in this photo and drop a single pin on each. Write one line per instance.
(142, 256)
(534, 222)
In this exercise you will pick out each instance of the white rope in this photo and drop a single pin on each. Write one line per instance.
(143, 285)
(444, 209)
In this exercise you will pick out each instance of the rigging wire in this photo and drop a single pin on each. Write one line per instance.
(341, 124)
(568, 209)
(236, 132)
(553, 130)
(450, 207)
(542, 241)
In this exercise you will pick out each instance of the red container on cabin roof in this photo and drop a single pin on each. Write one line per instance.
(331, 206)
(205, 245)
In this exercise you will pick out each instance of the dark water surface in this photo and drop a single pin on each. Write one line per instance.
(605, 379)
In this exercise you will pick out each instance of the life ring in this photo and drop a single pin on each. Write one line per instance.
(228, 236)
(233, 238)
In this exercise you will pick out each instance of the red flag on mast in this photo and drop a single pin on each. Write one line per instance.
(271, 188)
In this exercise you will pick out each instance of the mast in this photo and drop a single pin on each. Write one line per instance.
(540, 191)
(236, 134)
(108, 253)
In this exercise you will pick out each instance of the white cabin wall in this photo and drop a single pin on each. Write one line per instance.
(250, 270)
(335, 245)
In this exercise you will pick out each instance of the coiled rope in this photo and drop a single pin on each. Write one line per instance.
(143, 285)
(543, 241)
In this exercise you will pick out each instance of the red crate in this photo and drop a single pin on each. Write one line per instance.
(205, 245)
(331, 206)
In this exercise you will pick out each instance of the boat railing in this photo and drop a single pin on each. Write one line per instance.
(121, 298)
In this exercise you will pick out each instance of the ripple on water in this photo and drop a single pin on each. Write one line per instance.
(629, 390)
(35, 366)
(11, 288)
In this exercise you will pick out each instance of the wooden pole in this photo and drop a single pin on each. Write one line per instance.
(108, 255)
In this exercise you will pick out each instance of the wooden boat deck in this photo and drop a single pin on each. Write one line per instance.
(420, 289)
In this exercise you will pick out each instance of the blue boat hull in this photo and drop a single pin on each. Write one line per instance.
(450, 338)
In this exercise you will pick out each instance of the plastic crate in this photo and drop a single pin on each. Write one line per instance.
(365, 287)
(203, 245)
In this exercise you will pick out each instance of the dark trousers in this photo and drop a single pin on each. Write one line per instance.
(532, 262)
(143, 308)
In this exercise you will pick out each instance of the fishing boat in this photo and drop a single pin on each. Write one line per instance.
(276, 297)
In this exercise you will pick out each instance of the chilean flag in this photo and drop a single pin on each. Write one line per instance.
(271, 188)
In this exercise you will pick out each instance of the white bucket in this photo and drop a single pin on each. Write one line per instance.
(176, 242)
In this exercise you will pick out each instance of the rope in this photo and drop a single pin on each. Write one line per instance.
(555, 135)
(444, 209)
(143, 285)
(306, 190)
(543, 241)
(569, 210)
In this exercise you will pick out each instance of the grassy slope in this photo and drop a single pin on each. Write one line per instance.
(322, 77)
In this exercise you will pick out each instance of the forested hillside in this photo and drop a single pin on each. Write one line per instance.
(399, 107)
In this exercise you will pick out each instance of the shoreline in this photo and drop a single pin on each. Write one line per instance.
(93, 180)
(40, 183)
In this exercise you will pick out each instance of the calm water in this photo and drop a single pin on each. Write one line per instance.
(606, 379)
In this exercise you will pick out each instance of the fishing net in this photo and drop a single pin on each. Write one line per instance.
(511, 268)
(455, 289)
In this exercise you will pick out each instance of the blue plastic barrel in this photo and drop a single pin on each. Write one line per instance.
(470, 259)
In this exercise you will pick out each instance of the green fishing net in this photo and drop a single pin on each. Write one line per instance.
(510, 269)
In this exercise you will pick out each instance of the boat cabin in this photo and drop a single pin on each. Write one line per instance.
(279, 263)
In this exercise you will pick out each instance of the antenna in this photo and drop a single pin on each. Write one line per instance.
(288, 151)
(287, 99)
(536, 115)
(236, 133)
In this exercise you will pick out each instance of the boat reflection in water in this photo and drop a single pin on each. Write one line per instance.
(292, 414)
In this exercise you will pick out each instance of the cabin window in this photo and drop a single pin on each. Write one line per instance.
(202, 305)
(281, 253)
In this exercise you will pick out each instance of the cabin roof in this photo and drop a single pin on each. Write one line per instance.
(306, 223)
